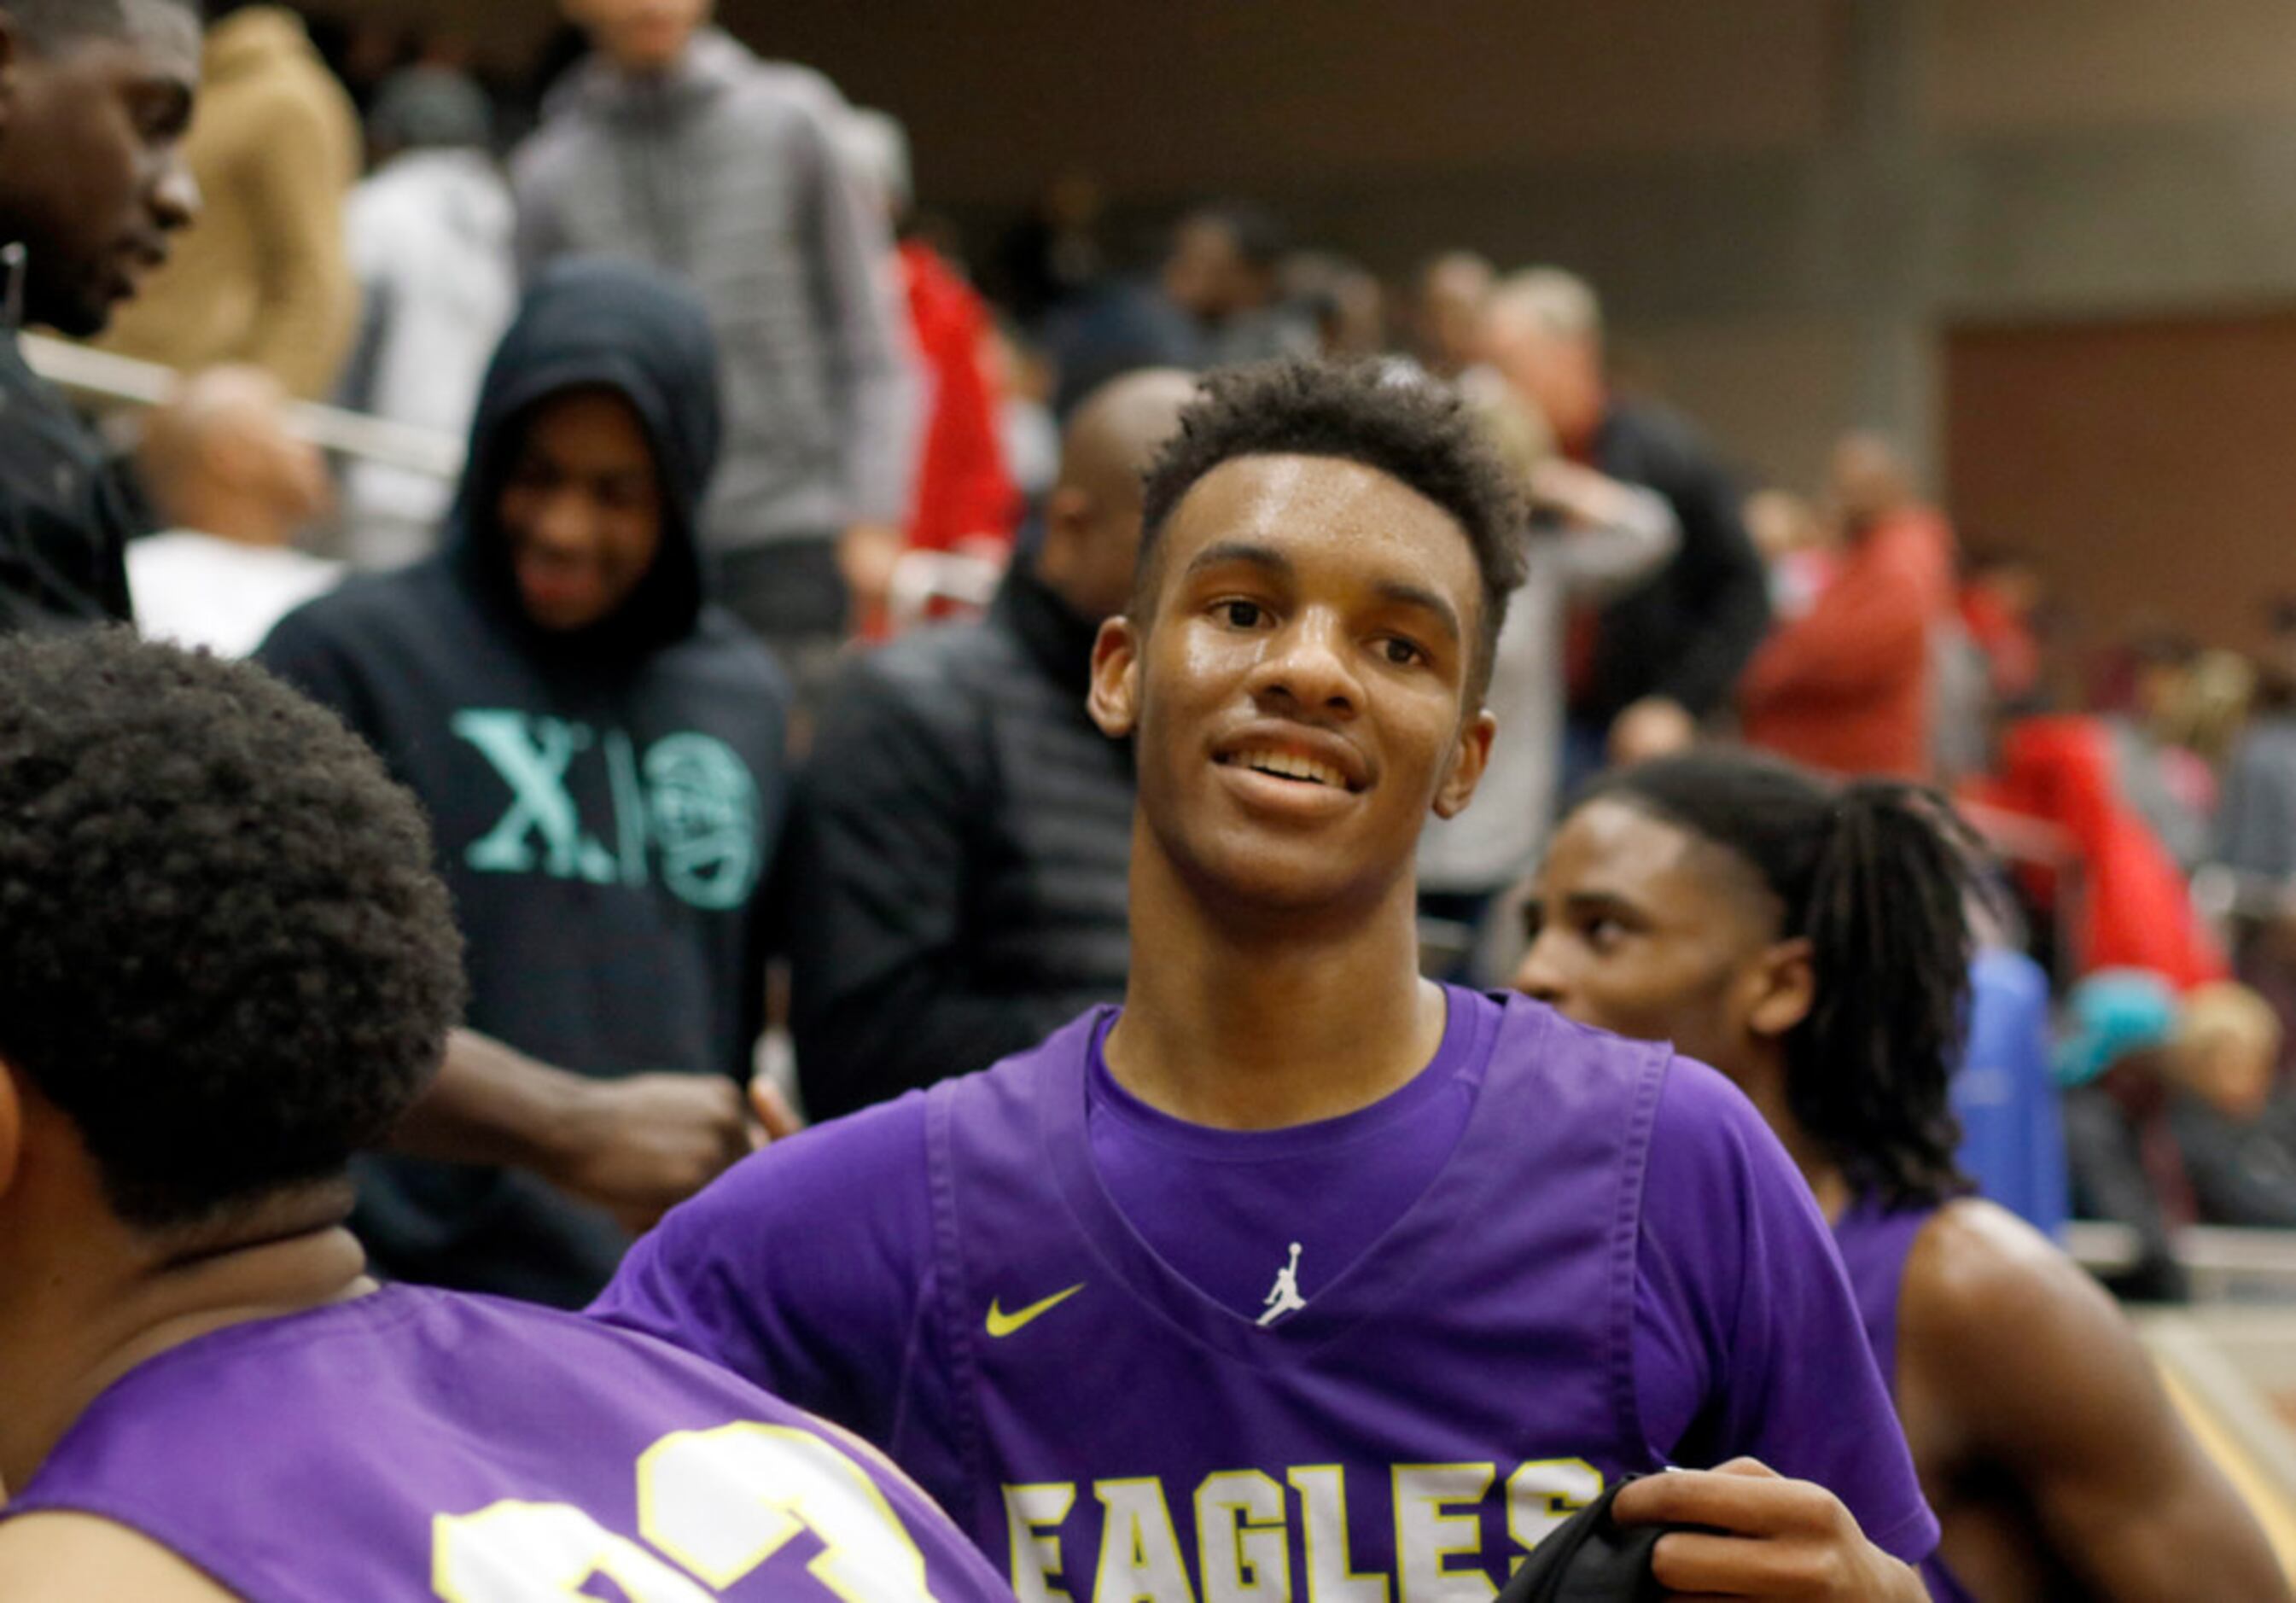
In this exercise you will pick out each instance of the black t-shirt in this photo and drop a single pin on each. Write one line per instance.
(67, 511)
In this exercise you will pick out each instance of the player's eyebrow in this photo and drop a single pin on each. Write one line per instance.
(1222, 551)
(1584, 903)
(1403, 593)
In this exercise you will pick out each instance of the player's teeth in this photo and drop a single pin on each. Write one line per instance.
(1289, 767)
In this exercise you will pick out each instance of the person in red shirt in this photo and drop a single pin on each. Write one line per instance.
(966, 501)
(1845, 687)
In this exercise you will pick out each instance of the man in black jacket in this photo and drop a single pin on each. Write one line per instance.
(600, 749)
(94, 97)
(1657, 663)
(963, 830)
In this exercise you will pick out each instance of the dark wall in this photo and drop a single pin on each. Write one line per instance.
(2150, 465)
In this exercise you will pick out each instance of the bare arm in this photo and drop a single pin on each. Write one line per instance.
(72, 1557)
(637, 1146)
(1615, 535)
(2044, 1379)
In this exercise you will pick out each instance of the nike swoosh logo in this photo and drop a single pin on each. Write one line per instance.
(1002, 1324)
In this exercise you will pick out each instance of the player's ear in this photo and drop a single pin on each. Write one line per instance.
(1469, 759)
(12, 1126)
(1115, 699)
(1786, 989)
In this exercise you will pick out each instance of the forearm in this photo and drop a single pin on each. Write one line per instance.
(492, 1104)
(1637, 536)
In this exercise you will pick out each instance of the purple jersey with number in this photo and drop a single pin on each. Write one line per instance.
(1598, 1235)
(416, 1444)
(1875, 1242)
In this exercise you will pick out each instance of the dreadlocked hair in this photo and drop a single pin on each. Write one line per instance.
(1878, 877)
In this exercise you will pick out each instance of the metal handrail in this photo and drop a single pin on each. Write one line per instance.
(103, 375)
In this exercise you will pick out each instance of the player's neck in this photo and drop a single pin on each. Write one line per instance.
(1766, 1089)
(111, 1300)
(1256, 1023)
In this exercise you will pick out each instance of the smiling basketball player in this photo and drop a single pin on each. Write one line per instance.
(1298, 1275)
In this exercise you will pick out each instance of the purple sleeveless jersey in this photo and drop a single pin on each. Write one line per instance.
(420, 1444)
(949, 1275)
(1875, 1244)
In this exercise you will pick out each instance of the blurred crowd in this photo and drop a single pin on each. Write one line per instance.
(724, 377)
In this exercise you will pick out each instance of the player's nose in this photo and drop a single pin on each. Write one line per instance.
(1538, 976)
(1308, 663)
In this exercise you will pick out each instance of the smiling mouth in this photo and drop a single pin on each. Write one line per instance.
(1288, 766)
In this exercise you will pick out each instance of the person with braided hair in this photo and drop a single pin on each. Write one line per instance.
(1811, 941)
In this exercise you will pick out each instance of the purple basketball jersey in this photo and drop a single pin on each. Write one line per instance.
(1875, 1244)
(416, 1445)
(951, 1276)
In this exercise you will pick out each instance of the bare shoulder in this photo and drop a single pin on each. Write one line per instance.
(70, 1557)
(1978, 1277)
(2008, 1328)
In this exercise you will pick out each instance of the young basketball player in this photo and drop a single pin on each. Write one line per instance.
(1809, 941)
(224, 964)
(1298, 1275)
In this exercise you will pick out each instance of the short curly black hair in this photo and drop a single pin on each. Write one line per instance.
(1387, 418)
(223, 953)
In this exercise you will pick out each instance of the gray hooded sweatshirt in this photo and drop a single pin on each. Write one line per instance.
(725, 172)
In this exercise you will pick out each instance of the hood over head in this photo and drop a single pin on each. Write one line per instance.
(632, 330)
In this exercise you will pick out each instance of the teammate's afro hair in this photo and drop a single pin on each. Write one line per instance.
(223, 954)
(1395, 422)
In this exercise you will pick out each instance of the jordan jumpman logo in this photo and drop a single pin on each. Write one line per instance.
(1285, 1297)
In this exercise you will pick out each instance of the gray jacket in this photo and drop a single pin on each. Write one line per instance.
(726, 171)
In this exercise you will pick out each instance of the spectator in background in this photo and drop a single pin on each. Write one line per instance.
(965, 501)
(1592, 538)
(233, 488)
(2122, 1154)
(1224, 272)
(673, 144)
(1798, 545)
(92, 185)
(1216, 301)
(2256, 819)
(1845, 687)
(265, 279)
(2167, 1121)
(963, 830)
(1453, 293)
(1341, 299)
(1052, 255)
(2222, 1067)
(2000, 600)
(601, 752)
(431, 240)
(1645, 671)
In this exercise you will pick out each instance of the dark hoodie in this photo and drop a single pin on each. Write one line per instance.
(605, 803)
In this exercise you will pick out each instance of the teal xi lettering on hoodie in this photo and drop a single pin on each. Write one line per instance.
(685, 810)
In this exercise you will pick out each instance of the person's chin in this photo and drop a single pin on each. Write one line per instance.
(558, 617)
(1277, 873)
(82, 317)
